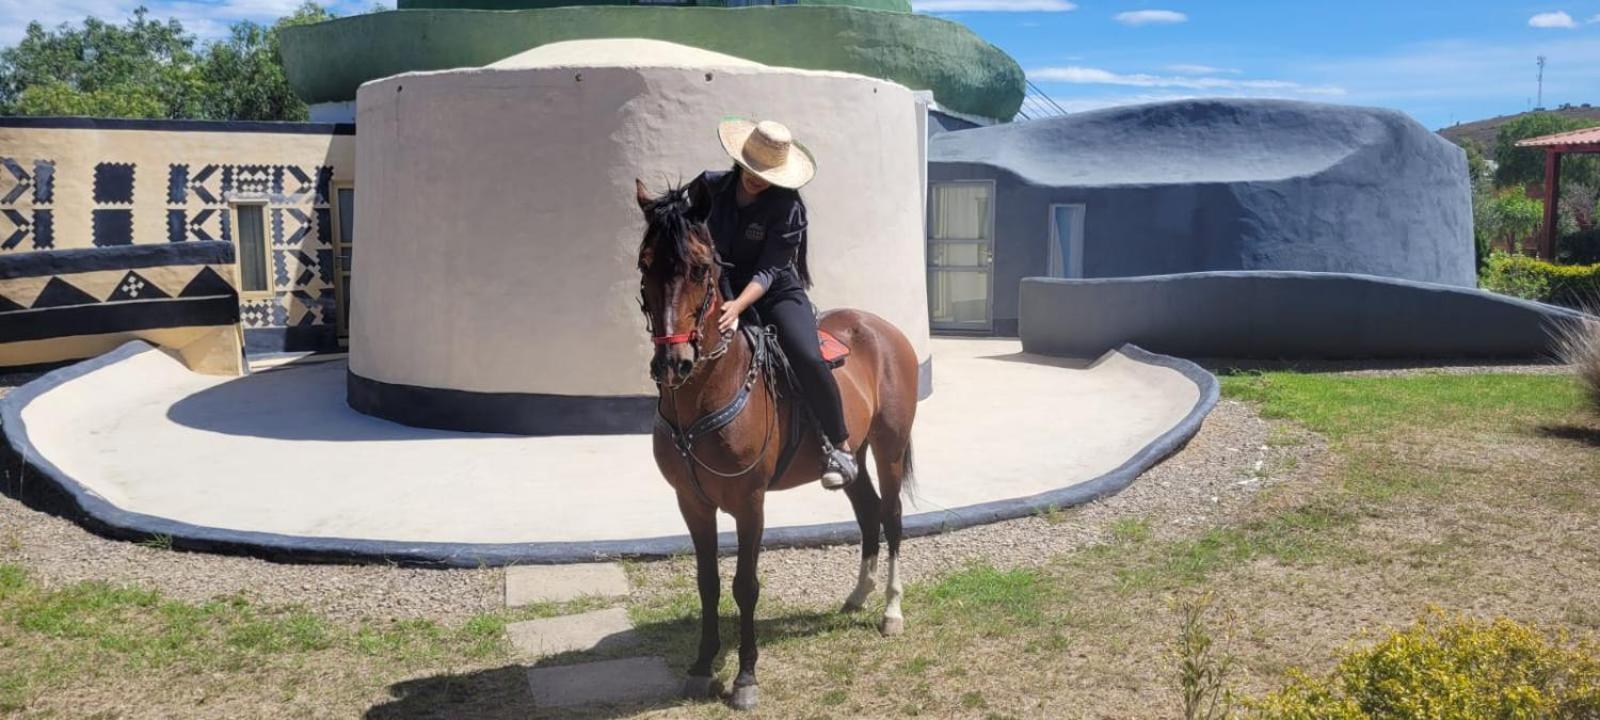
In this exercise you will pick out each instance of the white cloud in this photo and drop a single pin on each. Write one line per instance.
(1558, 19)
(947, 6)
(1458, 70)
(1185, 69)
(1595, 19)
(1079, 75)
(1150, 17)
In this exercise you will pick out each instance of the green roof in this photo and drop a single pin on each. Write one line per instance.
(327, 61)
(889, 5)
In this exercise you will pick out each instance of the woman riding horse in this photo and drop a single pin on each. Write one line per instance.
(726, 432)
(758, 224)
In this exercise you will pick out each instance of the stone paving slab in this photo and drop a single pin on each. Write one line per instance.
(628, 680)
(607, 629)
(527, 584)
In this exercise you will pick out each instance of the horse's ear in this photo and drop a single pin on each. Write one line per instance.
(642, 195)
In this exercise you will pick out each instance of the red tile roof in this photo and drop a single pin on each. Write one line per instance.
(1588, 136)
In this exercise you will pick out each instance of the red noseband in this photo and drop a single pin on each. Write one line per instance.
(672, 339)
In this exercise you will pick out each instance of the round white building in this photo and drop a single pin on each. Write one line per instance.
(497, 287)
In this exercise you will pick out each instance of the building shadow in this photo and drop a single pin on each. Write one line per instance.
(1574, 433)
(294, 402)
(1070, 363)
(502, 693)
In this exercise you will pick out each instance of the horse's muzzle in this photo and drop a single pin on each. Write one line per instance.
(673, 365)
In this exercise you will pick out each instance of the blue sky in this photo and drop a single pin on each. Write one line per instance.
(1440, 61)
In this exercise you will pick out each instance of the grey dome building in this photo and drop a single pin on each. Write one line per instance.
(1190, 186)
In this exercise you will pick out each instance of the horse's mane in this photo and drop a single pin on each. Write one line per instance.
(671, 239)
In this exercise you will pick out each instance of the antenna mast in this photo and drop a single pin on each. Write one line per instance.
(1540, 104)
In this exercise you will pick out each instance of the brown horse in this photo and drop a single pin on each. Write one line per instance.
(725, 426)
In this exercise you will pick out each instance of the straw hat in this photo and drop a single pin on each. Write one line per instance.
(768, 150)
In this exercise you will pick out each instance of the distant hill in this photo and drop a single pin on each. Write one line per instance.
(1484, 131)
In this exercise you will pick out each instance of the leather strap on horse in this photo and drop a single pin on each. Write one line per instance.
(683, 440)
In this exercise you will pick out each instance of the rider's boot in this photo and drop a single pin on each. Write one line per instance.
(839, 468)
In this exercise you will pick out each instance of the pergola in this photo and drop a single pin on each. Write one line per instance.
(1564, 143)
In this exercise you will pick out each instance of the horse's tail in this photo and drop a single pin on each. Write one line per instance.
(908, 483)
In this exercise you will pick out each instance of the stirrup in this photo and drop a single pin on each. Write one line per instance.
(839, 469)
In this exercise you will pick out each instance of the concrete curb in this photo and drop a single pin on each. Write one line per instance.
(41, 484)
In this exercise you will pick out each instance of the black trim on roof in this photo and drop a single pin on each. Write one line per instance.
(237, 126)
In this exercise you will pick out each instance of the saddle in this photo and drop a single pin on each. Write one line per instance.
(834, 352)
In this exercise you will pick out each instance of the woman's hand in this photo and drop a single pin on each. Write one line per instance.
(730, 316)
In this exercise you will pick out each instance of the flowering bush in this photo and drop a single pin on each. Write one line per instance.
(1442, 669)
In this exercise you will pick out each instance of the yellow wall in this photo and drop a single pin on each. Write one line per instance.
(303, 298)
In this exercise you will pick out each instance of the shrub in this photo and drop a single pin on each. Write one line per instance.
(1579, 248)
(1532, 279)
(1578, 345)
(1440, 669)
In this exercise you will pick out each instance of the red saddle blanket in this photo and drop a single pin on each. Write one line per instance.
(833, 351)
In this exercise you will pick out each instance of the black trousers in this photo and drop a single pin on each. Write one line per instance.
(791, 312)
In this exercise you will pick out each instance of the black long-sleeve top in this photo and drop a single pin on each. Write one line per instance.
(760, 241)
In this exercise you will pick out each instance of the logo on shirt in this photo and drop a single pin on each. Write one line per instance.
(755, 231)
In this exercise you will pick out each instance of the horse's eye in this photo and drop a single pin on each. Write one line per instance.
(699, 273)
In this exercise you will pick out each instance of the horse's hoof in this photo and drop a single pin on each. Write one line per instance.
(697, 688)
(745, 697)
(852, 607)
(893, 626)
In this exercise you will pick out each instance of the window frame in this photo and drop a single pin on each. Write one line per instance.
(987, 267)
(1074, 260)
(271, 292)
(340, 292)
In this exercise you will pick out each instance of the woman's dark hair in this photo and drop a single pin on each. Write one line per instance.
(800, 266)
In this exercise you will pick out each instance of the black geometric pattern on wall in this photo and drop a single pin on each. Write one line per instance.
(38, 224)
(112, 227)
(211, 185)
(113, 184)
(64, 293)
(40, 183)
(177, 225)
(299, 231)
(60, 293)
(177, 184)
(25, 194)
(135, 287)
(207, 224)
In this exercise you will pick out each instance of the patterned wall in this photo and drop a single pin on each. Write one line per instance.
(299, 229)
(59, 305)
(26, 194)
(197, 204)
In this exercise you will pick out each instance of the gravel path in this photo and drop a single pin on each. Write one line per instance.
(1225, 464)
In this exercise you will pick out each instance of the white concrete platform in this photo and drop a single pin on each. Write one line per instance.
(146, 446)
(606, 682)
(528, 584)
(600, 630)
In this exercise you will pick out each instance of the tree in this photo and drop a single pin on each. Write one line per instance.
(246, 70)
(1512, 217)
(150, 69)
(145, 68)
(1477, 165)
(1525, 166)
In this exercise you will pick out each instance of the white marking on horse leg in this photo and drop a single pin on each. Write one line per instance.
(865, 584)
(893, 621)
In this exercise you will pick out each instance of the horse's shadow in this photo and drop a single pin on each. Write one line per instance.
(502, 693)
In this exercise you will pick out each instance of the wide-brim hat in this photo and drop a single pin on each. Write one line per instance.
(767, 150)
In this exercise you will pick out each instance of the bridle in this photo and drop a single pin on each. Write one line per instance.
(693, 337)
(683, 438)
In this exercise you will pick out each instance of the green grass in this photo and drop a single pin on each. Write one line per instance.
(976, 635)
(1342, 406)
(50, 636)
